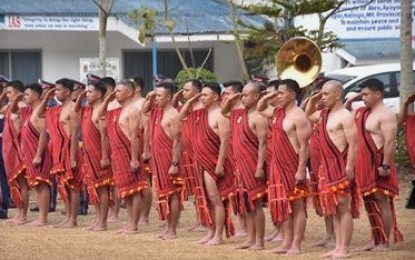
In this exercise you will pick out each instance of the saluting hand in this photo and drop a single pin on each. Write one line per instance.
(410, 99)
(50, 94)
(111, 96)
(82, 95)
(194, 99)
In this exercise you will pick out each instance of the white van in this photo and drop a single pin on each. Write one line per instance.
(389, 74)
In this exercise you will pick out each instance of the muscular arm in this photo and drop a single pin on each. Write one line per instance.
(263, 108)
(146, 137)
(310, 109)
(262, 135)
(303, 132)
(14, 106)
(223, 131)
(134, 119)
(226, 107)
(388, 129)
(176, 135)
(103, 130)
(43, 137)
(350, 133)
(75, 125)
(148, 104)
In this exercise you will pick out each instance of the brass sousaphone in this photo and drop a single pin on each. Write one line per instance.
(299, 59)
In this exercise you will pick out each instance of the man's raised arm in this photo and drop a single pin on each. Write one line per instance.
(263, 108)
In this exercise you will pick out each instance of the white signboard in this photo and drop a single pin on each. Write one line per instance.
(381, 19)
(50, 23)
(91, 65)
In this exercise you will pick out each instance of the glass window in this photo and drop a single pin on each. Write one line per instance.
(21, 65)
(388, 79)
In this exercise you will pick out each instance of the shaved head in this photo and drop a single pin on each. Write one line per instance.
(334, 85)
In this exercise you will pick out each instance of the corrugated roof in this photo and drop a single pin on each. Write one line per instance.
(203, 16)
(373, 49)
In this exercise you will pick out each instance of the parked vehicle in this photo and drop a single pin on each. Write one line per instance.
(389, 74)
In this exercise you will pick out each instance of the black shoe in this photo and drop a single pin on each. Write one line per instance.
(52, 209)
(82, 212)
(3, 214)
(34, 209)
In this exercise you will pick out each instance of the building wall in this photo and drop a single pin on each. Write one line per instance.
(61, 51)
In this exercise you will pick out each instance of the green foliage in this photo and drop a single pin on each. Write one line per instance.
(195, 73)
(401, 156)
(263, 42)
(147, 20)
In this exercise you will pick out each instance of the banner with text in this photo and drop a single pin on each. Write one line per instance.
(49, 23)
(91, 65)
(380, 19)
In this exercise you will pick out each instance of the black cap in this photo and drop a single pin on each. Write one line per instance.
(4, 79)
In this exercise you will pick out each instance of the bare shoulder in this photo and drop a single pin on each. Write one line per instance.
(386, 115)
(300, 115)
(259, 119)
(173, 113)
(346, 114)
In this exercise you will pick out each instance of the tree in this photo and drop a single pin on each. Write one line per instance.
(266, 40)
(149, 19)
(105, 8)
(407, 83)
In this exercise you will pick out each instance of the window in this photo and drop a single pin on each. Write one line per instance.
(140, 63)
(21, 65)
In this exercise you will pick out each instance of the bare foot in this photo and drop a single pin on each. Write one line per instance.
(121, 230)
(92, 226)
(38, 223)
(130, 231)
(70, 224)
(214, 242)
(205, 239)
(241, 233)
(12, 220)
(323, 243)
(169, 236)
(60, 224)
(367, 247)
(20, 221)
(294, 251)
(143, 223)
(163, 224)
(342, 254)
(99, 228)
(163, 234)
(283, 249)
(329, 254)
(380, 248)
(245, 245)
(256, 248)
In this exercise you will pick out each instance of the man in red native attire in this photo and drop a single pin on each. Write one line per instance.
(123, 124)
(314, 165)
(277, 234)
(96, 152)
(194, 183)
(408, 120)
(116, 202)
(375, 165)
(211, 148)
(249, 141)
(144, 137)
(338, 148)
(290, 134)
(63, 132)
(13, 159)
(165, 129)
(232, 109)
(189, 114)
(36, 154)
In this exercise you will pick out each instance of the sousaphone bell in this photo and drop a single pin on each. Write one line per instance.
(299, 59)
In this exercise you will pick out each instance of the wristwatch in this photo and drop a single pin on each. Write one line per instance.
(174, 163)
(385, 166)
